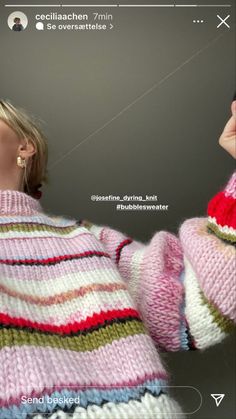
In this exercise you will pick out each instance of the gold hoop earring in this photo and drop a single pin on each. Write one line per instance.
(20, 162)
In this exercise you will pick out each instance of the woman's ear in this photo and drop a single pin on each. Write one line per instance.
(26, 148)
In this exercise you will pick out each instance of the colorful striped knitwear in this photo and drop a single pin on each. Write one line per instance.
(85, 310)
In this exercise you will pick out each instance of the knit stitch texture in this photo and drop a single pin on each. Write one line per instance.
(86, 310)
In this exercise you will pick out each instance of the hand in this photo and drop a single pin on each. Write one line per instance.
(227, 139)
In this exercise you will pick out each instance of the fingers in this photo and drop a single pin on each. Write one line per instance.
(230, 127)
(227, 139)
(229, 145)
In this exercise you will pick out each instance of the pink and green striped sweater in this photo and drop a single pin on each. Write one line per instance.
(85, 310)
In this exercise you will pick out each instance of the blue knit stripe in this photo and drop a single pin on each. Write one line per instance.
(86, 397)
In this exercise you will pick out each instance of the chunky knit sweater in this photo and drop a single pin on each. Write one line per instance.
(85, 310)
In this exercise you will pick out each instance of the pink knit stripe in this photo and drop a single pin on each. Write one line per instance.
(84, 242)
(12, 236)
(92, 264)
(33, 368)
(78, 387)
(17, 203)
(214, 264)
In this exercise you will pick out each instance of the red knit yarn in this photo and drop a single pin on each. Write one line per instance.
(223, 209)
(95, 320)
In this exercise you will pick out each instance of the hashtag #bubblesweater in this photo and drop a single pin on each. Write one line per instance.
(85, 310)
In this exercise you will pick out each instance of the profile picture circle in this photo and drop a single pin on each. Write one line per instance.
(17, 21)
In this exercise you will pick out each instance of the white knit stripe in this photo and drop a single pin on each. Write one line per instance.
(28, 234)
(150, 407)
(135, 274)
(224, 229)
(74, 310)
(72, 281)
(203, 328)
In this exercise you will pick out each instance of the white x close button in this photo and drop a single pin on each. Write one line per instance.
(223, 21)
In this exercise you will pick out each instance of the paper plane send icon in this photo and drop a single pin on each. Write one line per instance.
(218, 398)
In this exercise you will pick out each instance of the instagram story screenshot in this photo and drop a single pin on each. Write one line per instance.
(117, 209)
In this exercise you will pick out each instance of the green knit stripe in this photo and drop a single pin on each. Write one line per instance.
(231, 238)
(26, 227)
(224, 323)
(81, 343)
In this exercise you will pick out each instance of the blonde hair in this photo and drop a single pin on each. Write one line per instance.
(25, 126)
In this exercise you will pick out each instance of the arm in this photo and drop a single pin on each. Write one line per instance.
(184, 287)
(209, 269)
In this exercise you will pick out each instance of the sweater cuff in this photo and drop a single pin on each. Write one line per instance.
(221, 213)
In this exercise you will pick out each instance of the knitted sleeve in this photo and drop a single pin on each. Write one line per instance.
(184, 287)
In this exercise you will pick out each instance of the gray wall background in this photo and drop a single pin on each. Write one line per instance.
(83, 84)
